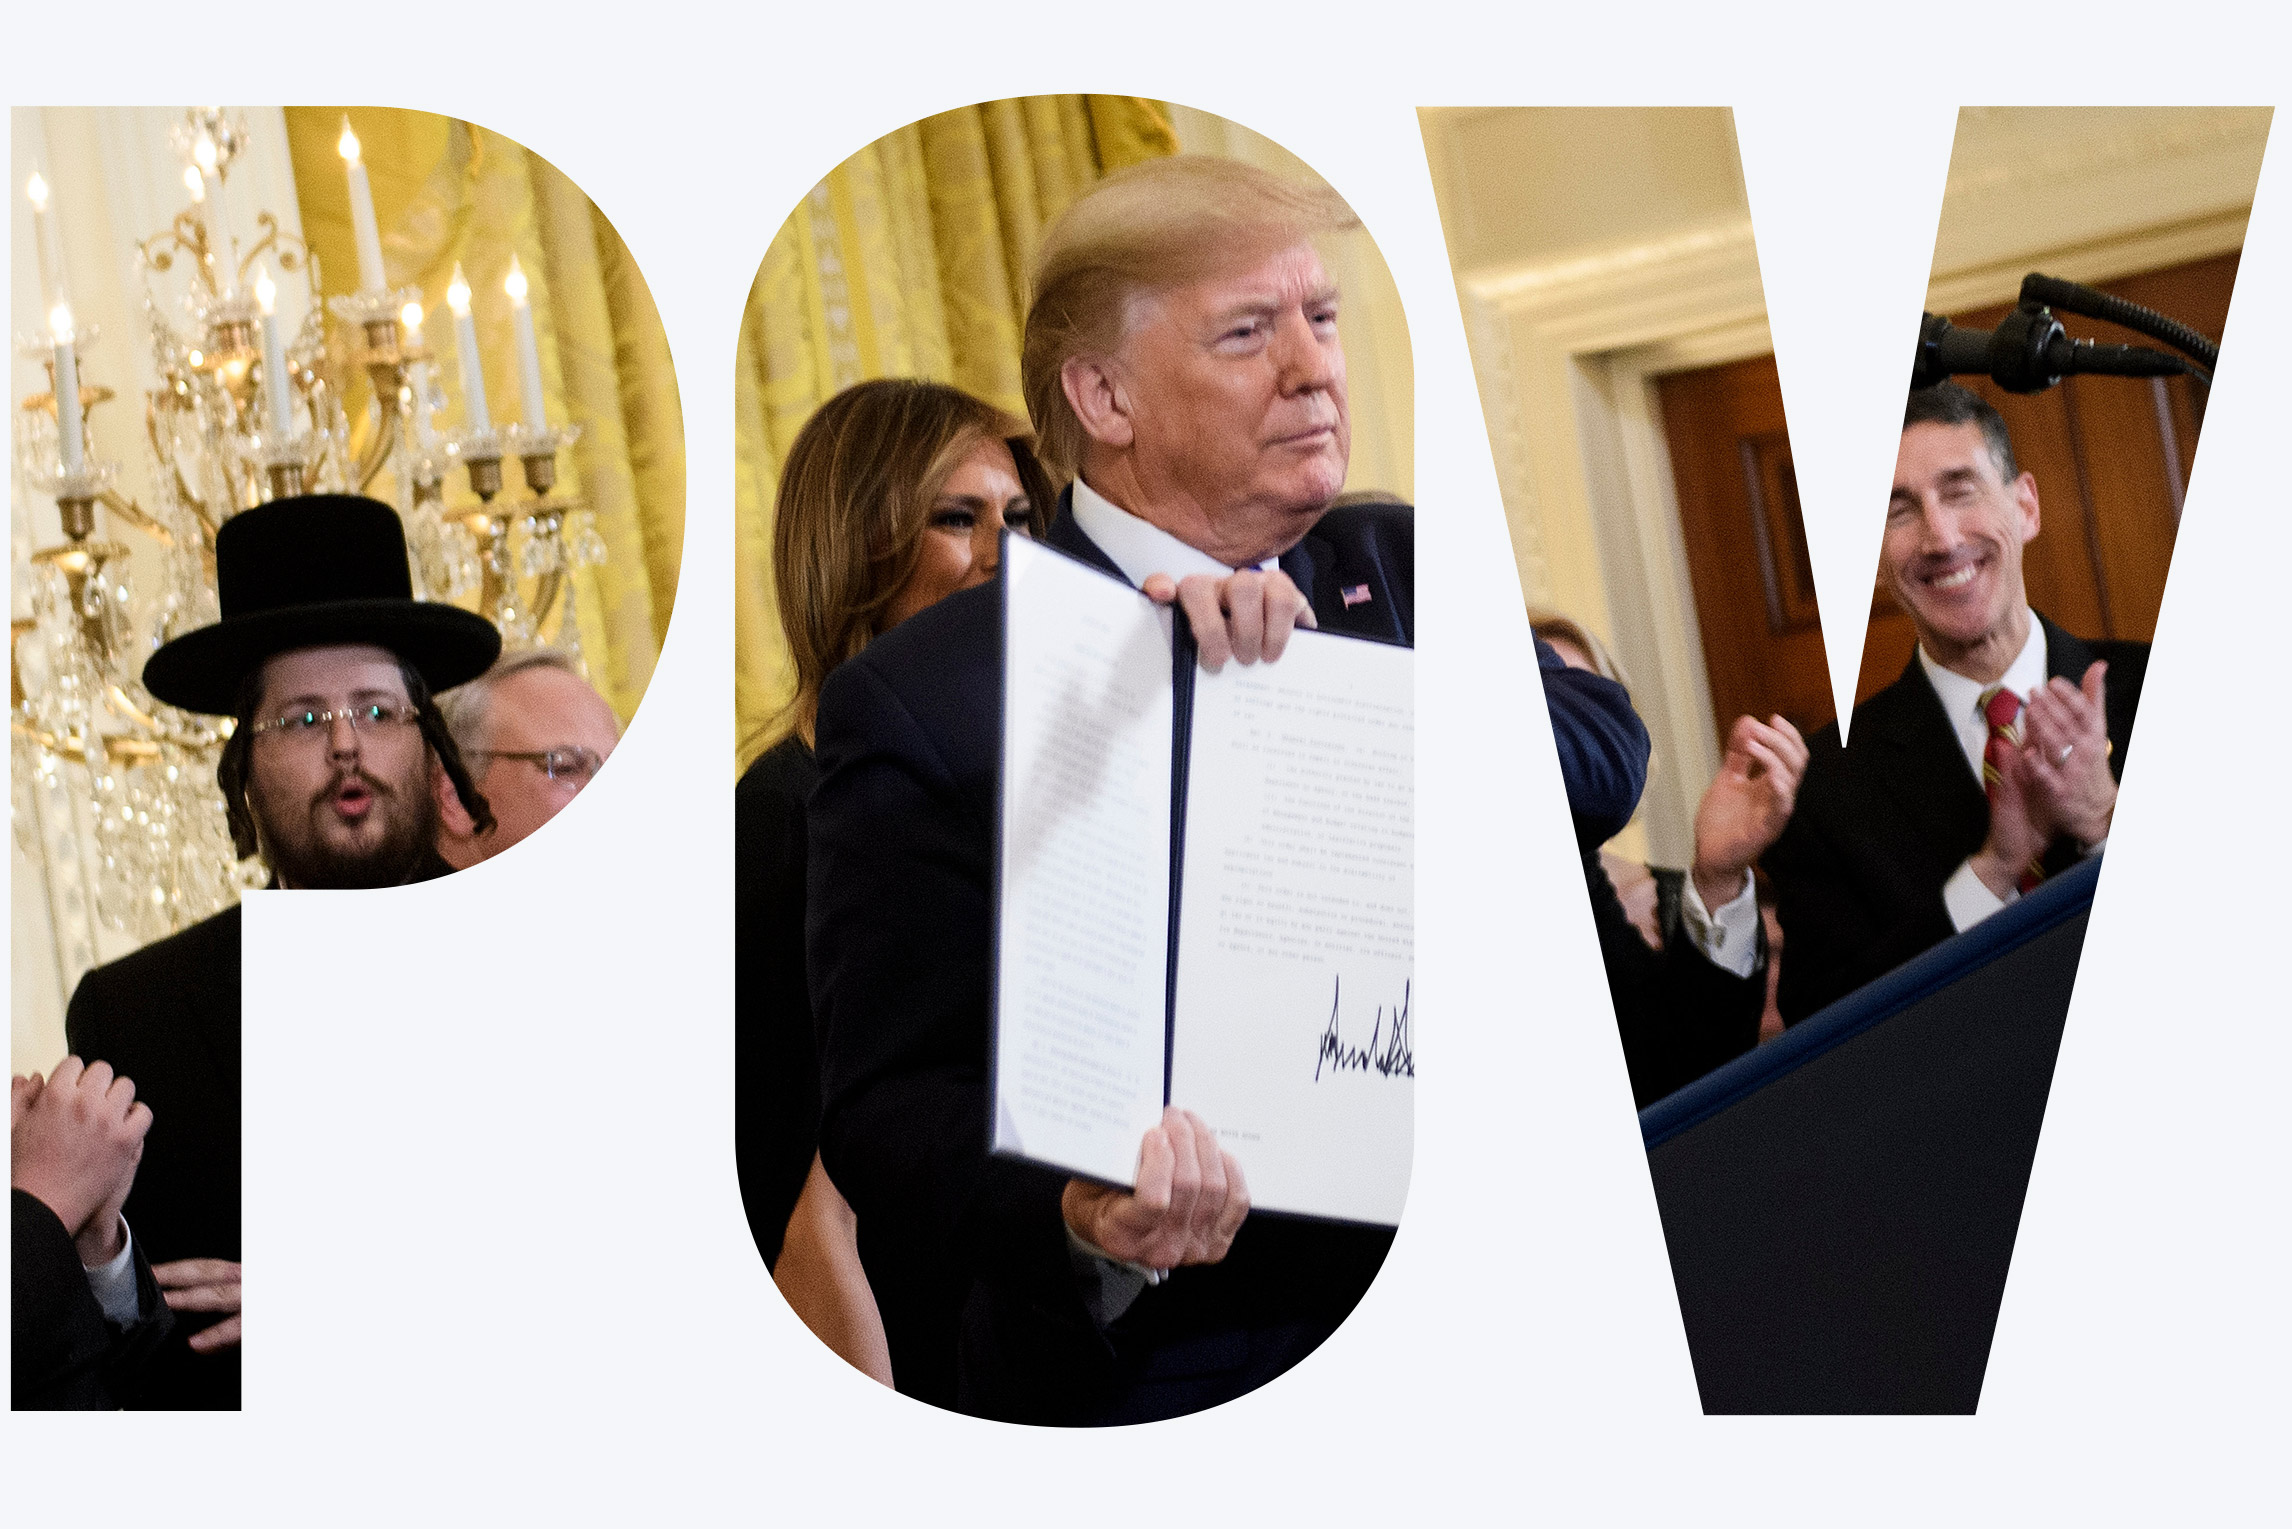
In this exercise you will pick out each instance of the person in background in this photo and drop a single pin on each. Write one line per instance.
(534, 732)
(1689, 986)
(1990, 764)
(894, 495)
(327, 664)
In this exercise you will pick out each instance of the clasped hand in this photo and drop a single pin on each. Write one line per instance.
(74, 1140)
(1190, 1200)
(1243, 616)
(2057, 784)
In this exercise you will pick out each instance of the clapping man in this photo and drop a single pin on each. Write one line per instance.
(1990, 764)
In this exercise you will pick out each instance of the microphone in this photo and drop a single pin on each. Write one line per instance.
(2028, 352)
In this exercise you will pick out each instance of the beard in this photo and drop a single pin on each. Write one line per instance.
(307, 845)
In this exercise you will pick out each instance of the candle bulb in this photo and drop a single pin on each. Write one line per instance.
(221, 243)
(528, 351)
(362, 224)
(68, 428)
(274, 358)
(466, 338)
(44, 239)
(418, 378)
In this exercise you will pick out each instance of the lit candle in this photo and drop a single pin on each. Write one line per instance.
(466, 338)
(528, 352)
(68, 433)
(221, 243)
(44, 236)
(418, 377)
(362, 225)
(274, 358)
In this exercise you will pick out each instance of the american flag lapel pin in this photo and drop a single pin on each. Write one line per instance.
(1357, 594)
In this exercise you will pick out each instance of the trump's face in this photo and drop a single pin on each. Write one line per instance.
(1236, 387)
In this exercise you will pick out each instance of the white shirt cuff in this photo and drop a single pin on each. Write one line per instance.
(1728, 939)
(1109, 1285)
(113, 1284)
(1968, 900)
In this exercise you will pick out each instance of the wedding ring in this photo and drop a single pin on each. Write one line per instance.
(2067, 749)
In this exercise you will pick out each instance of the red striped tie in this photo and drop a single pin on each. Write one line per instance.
(2001, 708)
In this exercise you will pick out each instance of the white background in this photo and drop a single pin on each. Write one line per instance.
(495, 1247)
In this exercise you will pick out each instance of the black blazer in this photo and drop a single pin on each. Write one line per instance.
(776, 1071)
(167, 1017)
(1879, 828)
(1677, 1014)
(65, 1354)
(900, 936)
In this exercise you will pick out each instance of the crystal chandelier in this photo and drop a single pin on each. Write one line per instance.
(114, 790)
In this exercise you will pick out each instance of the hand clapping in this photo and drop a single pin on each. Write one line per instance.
(74, 1142)
(2065, 741)
(2056, 784)
(1747, 804)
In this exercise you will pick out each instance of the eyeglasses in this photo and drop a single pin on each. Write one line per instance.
(569, 763)
(366, 720)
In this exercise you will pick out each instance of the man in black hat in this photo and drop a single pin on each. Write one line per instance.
(327, 663)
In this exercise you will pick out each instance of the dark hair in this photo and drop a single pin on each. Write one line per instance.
(1946, 403)
(853, 506)
(231, 768)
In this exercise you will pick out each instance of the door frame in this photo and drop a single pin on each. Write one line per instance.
(1587, 488)
(1566, 351)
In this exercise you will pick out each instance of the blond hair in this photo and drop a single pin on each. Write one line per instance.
(1156, 225)
(1552, 626)
(854, 503)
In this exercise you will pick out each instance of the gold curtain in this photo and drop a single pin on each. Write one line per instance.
(447, 191)
(911, 259)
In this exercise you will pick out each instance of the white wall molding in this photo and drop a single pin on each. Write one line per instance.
(1566, 353)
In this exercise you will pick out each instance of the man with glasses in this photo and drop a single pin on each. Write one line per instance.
(326, 663)
(533, 732)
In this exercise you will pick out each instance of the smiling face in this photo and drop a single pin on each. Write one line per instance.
(1952, 553)
(962, 532)
(338, 805)
(1231, 393)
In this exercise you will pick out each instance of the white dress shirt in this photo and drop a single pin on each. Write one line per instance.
(113, 1283)
(1729, 938)
(1138, 547)
(1968, 899)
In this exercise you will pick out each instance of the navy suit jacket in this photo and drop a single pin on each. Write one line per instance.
(967, 1253)
(1882, 825)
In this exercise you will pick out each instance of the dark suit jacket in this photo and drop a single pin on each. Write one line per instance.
(1602, 744)
(776, 1069)
(1678, 1015)
(65, 1354)
(1879, 828)
(901, 934)
(167, 1017)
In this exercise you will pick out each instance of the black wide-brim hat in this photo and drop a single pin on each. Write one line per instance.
(316, 570)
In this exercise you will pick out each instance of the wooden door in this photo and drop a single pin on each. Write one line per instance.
(2111, 458)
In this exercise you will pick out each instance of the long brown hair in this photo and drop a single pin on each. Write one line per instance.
(854, 503)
